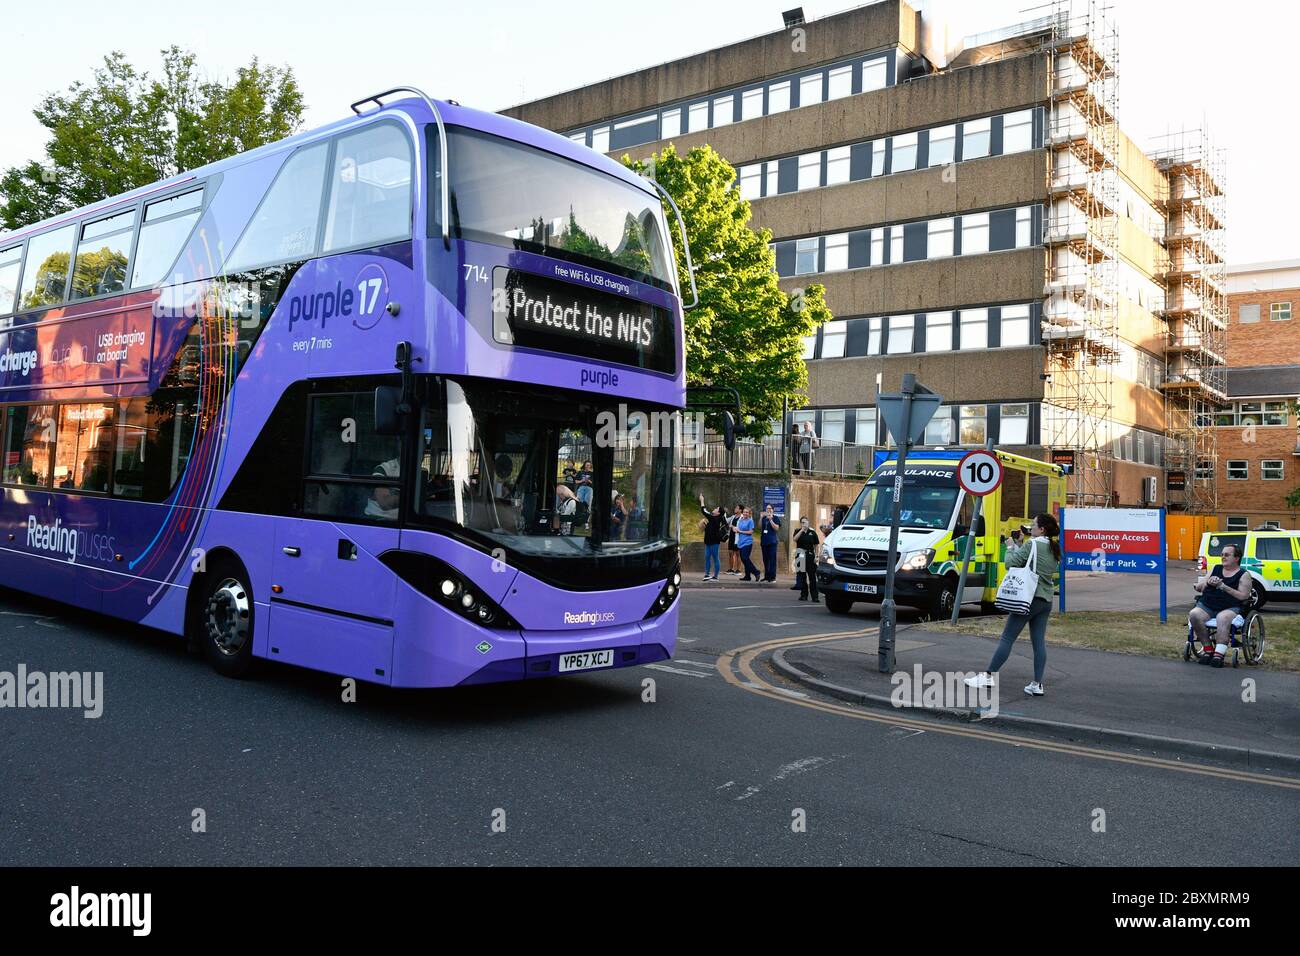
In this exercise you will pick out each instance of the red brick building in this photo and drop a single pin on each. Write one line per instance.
(1257, 439)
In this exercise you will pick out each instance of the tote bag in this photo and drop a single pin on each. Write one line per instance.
(1016, 592)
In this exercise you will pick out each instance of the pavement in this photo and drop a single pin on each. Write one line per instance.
(1091, 696)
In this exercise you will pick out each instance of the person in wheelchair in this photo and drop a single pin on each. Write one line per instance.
(1223, 595)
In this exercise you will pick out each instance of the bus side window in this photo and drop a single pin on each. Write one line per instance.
(370, 189)
(283, 229)
(167, 224)
(29, 445)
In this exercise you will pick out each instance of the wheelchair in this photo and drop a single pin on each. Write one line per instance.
(1245, 638)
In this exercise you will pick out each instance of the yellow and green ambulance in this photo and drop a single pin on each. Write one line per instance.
(935, 520)
(1271, 557)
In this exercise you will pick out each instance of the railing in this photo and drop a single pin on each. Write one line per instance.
(832, 460)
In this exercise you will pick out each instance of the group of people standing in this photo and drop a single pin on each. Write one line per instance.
(738, 531)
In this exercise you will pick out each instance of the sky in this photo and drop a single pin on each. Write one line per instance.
(1182, 65)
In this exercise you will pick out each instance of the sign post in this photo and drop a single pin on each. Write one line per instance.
(1123, 540)
(906, 415)
(979, 473)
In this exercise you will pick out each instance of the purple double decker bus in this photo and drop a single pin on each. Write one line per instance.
(395, 399)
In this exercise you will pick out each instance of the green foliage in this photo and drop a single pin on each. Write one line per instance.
(125, 129)
(746, 332)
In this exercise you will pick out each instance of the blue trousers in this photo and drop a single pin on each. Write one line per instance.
(711, 560)
(769, 561)
(1037, 621)
(750, 570)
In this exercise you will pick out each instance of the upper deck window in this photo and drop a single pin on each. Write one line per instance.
(46, 277)
(285, 224)
(11, 261)
(101, 256)
(508, 193)
(167, 224)
(370, 194)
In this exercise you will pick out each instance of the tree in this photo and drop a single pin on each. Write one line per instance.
(746, 333)
(125, 129)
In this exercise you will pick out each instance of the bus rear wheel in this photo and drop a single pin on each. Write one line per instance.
(224, 618)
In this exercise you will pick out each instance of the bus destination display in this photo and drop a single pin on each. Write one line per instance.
(535, 312)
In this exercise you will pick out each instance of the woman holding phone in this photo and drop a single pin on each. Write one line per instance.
(1038, 540)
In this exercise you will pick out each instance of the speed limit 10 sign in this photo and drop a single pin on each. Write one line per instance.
(979, 472)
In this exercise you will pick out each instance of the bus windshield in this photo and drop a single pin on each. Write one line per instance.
(924, 504)
(508, 193)
(546, 477)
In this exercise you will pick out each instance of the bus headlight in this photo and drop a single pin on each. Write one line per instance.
(916, 560)
(668, 594)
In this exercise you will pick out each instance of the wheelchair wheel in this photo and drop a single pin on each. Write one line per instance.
(1187, 651)
(1252, 639)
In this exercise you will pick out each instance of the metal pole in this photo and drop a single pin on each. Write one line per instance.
(784, 464)
(888, 612)
(970, 545)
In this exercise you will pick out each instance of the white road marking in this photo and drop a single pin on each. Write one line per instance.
(687, 640)
(802, 766)
(746, 607)
(749, 792)
(707, 667)
(792, 693)
(781, 623)
(676, 670)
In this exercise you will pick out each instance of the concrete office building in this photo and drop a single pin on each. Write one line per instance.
(977, 217)
(1258, 444)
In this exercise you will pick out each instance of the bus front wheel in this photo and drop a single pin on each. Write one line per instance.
(224, 620)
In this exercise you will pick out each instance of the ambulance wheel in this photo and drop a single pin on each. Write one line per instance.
(944, 601)
(837, 604)
(1261, 595)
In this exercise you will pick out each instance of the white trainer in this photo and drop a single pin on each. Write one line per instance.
(1034, 689)
(980, 680)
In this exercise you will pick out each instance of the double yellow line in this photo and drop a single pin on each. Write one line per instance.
(737, 669)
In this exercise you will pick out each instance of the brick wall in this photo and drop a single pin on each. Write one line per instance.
(1254, 498)
(1264, 342)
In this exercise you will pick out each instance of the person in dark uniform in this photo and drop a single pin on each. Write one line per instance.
(806, 544)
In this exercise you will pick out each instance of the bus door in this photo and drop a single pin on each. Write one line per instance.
(335, 612)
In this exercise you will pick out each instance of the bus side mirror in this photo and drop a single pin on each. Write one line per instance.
(388, 418)
(729, 431)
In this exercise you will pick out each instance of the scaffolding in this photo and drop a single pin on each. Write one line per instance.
(1080, 314)
(1196, 313)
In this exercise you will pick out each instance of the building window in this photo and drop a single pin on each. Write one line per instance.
(904, 153)
(973, 429)
(938, 332)
(878, 158)
(832, 426)
(895, 244)
(810, 171)
(1279, 311)
(975, 138)
(724, 110)
(773, 178)
(833, 340)
(1204, 469)
(805, 256)
(874, 325)
(698, 117)
(600, 139)
(809, 346)
(1018, 131)
(1275, 413)
(900, 334)
(1272, 469)
(865, 433)
(1023, 218)
(943, 142)
(778, 97)
(837, 252)
(1014, 425)
(938, 430)
(751, 104)
(1247, 314)
(579, 138)
(671, 124)
(877, 246)
(974, 233)
(1238, 469)
(839, 82)
(874, 75)
(1237, 523)
(939, 239)
(974, 329)
(810, 89)
(1015, 325)
(751, 181)
(837, 165)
